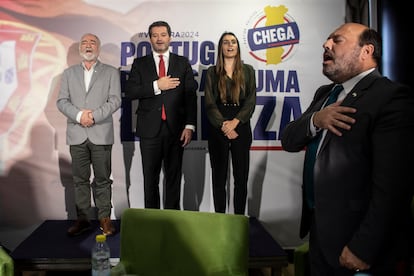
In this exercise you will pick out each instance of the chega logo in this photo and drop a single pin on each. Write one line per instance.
(271, 35)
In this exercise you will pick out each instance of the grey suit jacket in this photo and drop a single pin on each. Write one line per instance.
(103, 97)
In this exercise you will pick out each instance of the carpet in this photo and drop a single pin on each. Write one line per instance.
(50, 240)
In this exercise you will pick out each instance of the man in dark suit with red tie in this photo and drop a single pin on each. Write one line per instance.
(163, 83)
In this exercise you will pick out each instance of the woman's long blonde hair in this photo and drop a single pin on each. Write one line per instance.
(238, 77)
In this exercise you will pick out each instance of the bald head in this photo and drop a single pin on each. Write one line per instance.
(354, 28)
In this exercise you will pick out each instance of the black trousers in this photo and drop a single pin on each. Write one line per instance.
(220, 148)
(165, 149)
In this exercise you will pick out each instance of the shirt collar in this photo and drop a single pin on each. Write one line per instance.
(166, 55)
(92, 68)
(349, 84)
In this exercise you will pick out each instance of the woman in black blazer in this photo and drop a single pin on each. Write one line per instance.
(230, 99)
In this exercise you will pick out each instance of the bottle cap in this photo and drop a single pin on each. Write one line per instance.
(100, 238)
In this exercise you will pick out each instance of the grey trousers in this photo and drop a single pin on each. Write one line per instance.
(85, 156)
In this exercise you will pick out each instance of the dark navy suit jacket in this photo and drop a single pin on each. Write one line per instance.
(364, 179)
(180, 103)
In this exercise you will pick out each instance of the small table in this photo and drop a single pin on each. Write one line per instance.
(264, 251)
(49, 248)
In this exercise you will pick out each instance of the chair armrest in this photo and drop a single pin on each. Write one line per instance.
(300, 259)
(6, 263)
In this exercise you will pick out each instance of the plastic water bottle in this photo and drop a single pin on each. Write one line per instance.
(100, 257)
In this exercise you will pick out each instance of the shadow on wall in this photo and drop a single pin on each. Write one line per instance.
(30, 191)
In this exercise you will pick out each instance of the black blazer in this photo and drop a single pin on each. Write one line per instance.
(180, 103)
(363, 180)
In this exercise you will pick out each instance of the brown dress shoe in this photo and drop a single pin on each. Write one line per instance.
(106, 226)
(79, 227)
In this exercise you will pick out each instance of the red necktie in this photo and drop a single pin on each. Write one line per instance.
(161, 73)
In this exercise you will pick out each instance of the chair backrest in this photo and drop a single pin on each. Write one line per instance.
(6, 263)
(179, 243)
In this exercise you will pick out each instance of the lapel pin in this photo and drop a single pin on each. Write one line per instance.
(354, 94)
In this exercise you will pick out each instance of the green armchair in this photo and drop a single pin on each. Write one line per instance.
(6, 263)
(301, 260)
(179, 243)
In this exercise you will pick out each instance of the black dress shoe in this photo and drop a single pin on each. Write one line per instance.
(79, 227)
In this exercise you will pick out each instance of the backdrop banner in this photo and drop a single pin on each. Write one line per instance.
(282, 40)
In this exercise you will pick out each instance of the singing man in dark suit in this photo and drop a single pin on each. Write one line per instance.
(164, 85)
(358, 211)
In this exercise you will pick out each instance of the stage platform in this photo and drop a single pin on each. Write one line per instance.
(48, 248)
